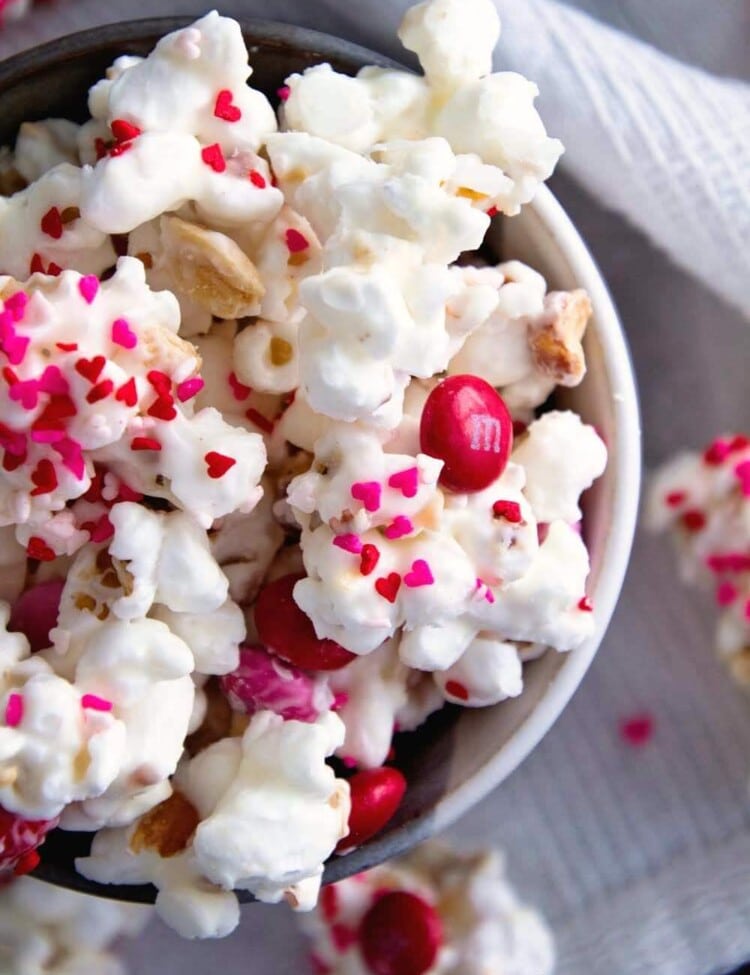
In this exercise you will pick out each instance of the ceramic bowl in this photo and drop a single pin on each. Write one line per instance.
(459, 755)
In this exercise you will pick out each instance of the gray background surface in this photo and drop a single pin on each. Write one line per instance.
(593, 853)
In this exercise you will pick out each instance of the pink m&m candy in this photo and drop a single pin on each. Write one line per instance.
(466, 424)
(401, 934)
(261, 683)
(35, 611)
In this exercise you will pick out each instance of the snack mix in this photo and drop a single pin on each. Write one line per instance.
(703, 499)
(275, 483)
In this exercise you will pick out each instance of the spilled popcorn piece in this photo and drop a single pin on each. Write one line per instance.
(703, 501)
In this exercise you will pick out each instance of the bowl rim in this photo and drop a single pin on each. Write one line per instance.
(624, 458)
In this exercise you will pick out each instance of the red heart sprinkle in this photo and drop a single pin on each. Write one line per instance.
(123, 130)
(388, 586)
(67, 346)
(100, 391)
(100, 148)
(224, 109)
(585, 605)
(693, 520)
(213, 156)
(44, 477)
(239, 390)
(260, 421)
(127, 393)
(52, 224)
(145, 443)
(637, 730)
(36, 266)
(257, 179)
(54, 269)
(38, 549)
(162, 409)
(509, 510)
(218, 464)
(91, 368)
(295, 241)
(455, 689)
(368, 559)
(119, 148)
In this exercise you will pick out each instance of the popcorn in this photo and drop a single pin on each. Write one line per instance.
(244, 844)
(42, 229)
(40, 146)
(553, 484)
(51, 930)
(481, 925)
(702, 500)
(453, 40)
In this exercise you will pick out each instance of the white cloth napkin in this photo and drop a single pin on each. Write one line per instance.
(640, 858)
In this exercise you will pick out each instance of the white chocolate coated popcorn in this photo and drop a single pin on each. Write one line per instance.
(703, 500)
(486, 928)
(243, 843)
(47, 930)
(553, 484)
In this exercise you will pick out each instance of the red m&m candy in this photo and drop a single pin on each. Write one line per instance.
(288, 632)
(376, 794)
(401, 934)
(466, 424)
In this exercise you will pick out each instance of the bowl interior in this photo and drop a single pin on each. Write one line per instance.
(458, 755)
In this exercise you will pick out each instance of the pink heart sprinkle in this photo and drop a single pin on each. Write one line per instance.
(16, 303)
(637, 730)
(123, 334)
(72, 456)
(400, 526)
(95, 703)
(349, 542)
(88, 287)
(25, 392)
(14, 710)
(407, 482)
(726, 593)
(190, 388)
(420, 575)
(15, 347)
(53, 382)
(369, 493)
(742, 471)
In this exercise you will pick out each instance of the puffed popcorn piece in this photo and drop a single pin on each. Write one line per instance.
(703, 501)
(488, 671)
(548, 603)
(48, 930)
(42, 227)
(553, 484)
(157, 849)
(272, 829)
(40, 146)
(453, 39)
(396, 485)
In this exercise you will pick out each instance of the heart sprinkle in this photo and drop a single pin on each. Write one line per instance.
(213, 156)
(388, 586)
(218, 464)
(420, 575)
(295, 241)
(457, 690)
(509, 510)
(14, 710)
(190, 388)
(225, 109)
(368, 492)
(123, 334)
(145, 443)
(369, 558)
(400, 526)
(407, 482)
(637, 730)
(44, 477)
(349, 542)
(89, 287)
(38, 549)
(91, 368)
(123, 130)
(51, 223)
(95, 703)
(127, 393)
